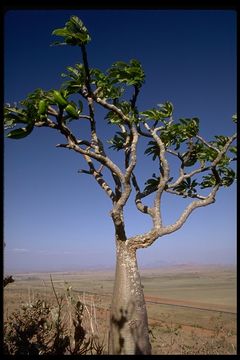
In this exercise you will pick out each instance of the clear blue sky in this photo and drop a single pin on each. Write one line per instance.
(55, 218)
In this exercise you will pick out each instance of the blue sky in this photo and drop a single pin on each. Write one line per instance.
(56, 219)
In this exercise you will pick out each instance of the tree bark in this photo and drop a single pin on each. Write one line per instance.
(128, 317)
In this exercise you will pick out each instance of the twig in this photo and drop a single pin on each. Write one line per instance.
(54, 291)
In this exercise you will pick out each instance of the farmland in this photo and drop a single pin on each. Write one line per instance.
(191, 309)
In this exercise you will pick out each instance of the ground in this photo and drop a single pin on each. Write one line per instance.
(191, 309)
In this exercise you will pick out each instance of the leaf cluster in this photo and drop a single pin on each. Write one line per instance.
(164, 111)
(126, 108)
(226, 177)
(77, 75)
(187, 187)
(176, 134)
(105, 85)
(118, 141)
(96, 85)
(129, 74)
(74, 33)
(36, 108)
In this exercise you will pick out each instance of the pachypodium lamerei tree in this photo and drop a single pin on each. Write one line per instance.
(202, 164)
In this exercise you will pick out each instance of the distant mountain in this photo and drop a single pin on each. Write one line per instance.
(157, 264)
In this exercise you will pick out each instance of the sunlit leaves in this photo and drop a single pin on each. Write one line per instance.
(77, 76)
(72, 111)
(42, 107)
(221, 141)
(26, 114)
(114, 118)
(105, 85)
(204, 153)
(74, 33)
(59, 99)
(109, 89)
(160, 114)
(176, 134)
(35, 108)
(14, 115)
(130, 74)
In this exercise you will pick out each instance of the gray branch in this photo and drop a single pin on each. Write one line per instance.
(140, 206)
(157, 218)
(189, 209)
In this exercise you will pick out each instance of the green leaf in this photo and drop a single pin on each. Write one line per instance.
(130, 74)
(42, 107)
(72, 112)
(233, 149)
(161, 114)
(15, 118)
(114, 118)
(74, 33)
(59, 99)
(78, 78)
(208, 181)
(20, 133)
(61, 32)
(105, 84)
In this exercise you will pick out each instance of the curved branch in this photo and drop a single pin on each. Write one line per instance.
(104, 160)
(145, 240)
(186, 195)
(202, 168)
(184, 176)
(207, 144)
(133, 154)
(143, 208)
(142, 241)
(142, 132)
(111, 107)
(99, 178)
(224, 149)
(157, 219)
(189, 209)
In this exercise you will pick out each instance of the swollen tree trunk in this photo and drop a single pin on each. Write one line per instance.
(128, 322)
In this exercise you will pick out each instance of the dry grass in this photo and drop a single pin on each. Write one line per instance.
(174, 329)
(67, 326)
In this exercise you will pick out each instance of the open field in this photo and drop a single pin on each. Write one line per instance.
(191, 309)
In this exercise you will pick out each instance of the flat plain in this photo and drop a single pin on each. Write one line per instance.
(191, 309)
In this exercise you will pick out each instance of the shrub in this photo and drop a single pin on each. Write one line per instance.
(41, 328)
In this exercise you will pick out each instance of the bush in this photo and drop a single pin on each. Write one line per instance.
(41, 328)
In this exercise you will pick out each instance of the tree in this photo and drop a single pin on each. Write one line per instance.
(203, 166)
